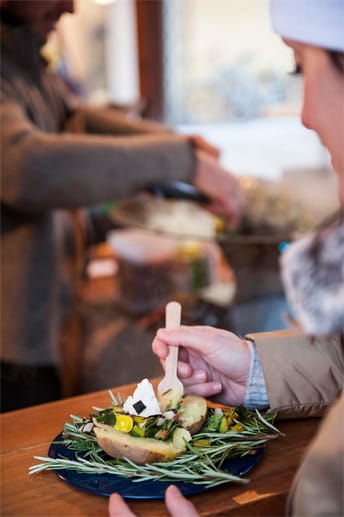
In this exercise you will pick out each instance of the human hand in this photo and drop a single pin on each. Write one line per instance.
(221, 187)
(212, 362)
(200, 143)
(118, 507)
(176, 504)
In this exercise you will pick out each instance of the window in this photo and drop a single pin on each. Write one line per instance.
(222, 62)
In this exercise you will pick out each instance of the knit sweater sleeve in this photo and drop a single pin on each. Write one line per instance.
(43, 171)
(256, 394)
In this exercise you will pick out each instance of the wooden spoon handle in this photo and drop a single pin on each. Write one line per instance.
(173, 315)
(172, 321)
(171, 388)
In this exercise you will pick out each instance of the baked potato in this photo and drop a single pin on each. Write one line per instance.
(169, 399)
(141, 450)
(192, 413)
(171, 433)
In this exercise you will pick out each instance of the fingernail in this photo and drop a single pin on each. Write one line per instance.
(175, 489)
(217, 387)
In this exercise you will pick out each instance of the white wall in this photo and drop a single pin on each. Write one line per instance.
(99, 45)
(121, 52)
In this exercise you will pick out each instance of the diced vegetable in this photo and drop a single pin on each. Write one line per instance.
(138, 431)
(124, 423)
(223, 425)
(238, 428)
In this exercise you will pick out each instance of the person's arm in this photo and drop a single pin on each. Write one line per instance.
(43, 171)
(110, 121)
(318, 486)
(107, 121)
(303, 374)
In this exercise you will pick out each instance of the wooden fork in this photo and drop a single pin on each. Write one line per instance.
(170, 388)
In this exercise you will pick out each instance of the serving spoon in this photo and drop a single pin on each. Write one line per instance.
(170, 388)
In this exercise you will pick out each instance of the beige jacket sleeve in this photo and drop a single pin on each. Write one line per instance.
(303, 374)
(318, 487)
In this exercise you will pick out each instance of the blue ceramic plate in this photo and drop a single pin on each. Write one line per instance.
(106, 484)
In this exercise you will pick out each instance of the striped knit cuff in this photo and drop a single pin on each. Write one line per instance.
(256, 394)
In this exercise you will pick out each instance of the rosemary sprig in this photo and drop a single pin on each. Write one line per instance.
(202, 473)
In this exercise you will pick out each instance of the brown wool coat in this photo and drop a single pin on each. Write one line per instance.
(46, 171)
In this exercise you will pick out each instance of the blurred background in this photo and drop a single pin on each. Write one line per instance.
(208, 67)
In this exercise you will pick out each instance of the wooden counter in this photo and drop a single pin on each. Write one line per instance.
(29, 432)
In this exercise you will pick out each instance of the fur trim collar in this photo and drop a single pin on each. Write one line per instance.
(313, 276)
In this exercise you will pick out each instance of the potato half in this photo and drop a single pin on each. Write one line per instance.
(139, 450)
(193, 411)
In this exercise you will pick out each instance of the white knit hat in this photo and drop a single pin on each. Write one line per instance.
(314, 22)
